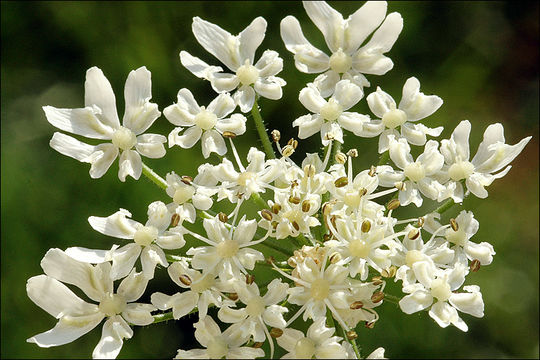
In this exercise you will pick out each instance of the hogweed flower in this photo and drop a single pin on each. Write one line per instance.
(283, 246)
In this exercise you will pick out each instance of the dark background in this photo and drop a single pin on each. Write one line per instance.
(479, 57)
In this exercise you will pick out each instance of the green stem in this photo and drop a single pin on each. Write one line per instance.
(445, 206)
(173, 258)
(259, 124)
(259, 200)
(155, 178)
(336, 147)
(163, 317)
(277, 248)
(391, 298)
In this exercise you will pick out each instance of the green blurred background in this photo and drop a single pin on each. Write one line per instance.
(480, 57)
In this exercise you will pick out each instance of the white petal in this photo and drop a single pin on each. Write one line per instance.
(78, 121)
(245, 98)
(419, 300)
(326, 83)
(184, 111)
(91, 256)
(198, 67)
(69, 146)
(235, 124)
(460, 137)
(212, 141)
(362, 23)
(151, 145)
(228, 315)
(222, 105)
(140, 113)
(217, 42)
(269, 64)
(115, 225)
(347, 94)
(139, 314)
(251, 37)
(483, 252)
(130, 164)
(110, 344)
(415, 104)
(413, 133)
(308, 125)
(206, 330)
(98, 91)
(400, 153)
(386, 35)
(331, 130)
(150, 257)
(133, 286)
(248, 257)
(245, 231)
(102, 159)
(311, 99)
(269, 89)
(500, 156)
(273, 316)
(223, 82)
(469, 303)
(380, 102)
(329, 21)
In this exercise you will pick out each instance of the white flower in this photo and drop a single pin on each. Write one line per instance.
(330, 116)
(414, 106)
(440, 286)
(99, 120)
(78, 317)
(493, 154)
(149, 240)
(318, 342)
(207, 124)
(187, 196)
(349, 59)
(219, 344)
(238, 54)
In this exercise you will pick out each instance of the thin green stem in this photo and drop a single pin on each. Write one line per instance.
(261, 129)
(391, 298)
(445, 206)
(259, 200)
(336, 148)
(155, 178)
(173, 258)
(163, 317)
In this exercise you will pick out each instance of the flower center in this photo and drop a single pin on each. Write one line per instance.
(205, 119)
(456, 237)
(112, 304)
(460, 170)
(183, 194)
(145, 235)
(340, 62)
(255, 306)
(440, 289)
(415, 171)
(352, 198)
(331, 110)
(247, 74)
(320, 288)
(124, 139)
(245, 177)
(227, 248)
(359, 248)
(202, 284)
(304, 348)
(412, 257)
(217, 348)
(394, 118)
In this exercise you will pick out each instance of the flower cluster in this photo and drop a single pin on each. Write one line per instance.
(336, 230)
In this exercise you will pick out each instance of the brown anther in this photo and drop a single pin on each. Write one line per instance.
(366, 226)
(352, 153)
(376, 280)
(233, 296)
(341, 182)
(475, 265)
(276, 332)
(276, 135)
(295, 225)
(309, 170)
(372, 171)
(250, 279)
(454, 224)
(334, 258)
(333, 221)
(356, 305)
(340, 158)
(370, 324)
(229, 134)
(413, 234)
(390, 272)
(294, 200)
(257, 345)
(326, 237)
(276, 208)
(184, 279)
(293, 142)
(223, 217)
(266, 214)
(294, 184)
(270, 260)
(400, 185)
(393, 204)
(274, 224)
(420, 222)
(175, 219)
(306, 205)
(291, 262)
(377, 296)
(351, 335)
(326, 208)
(288, 150)
(186, 179)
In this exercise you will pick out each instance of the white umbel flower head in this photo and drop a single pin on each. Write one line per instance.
(237, 53)
(99, 120)
(349, 59)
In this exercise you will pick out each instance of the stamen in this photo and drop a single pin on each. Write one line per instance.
(237, 158)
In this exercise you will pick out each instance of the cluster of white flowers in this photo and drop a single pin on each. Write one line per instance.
(348, 241)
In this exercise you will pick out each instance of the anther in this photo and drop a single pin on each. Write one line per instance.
(370, 324)
(233, 296)
(306, 205)
(454, 224)
(295, 226)
(390, 272)
(366, 226)
(352, 153)
(326, 237)
(257, 345)
(356, 305)
(229, 134)
(309, 170)
(276, 208)
(266, 214)
(274, 224)
(288, 150)
(400, 185)
(413, 234)
(270, 260)
(276, 135)
(393, 204)
(341, 182)
(475, 265)
(293, 142)
(294, 200)
(187, 179)
(276, 332)
(335, 257)
(377, 296)
(351, 335)
(175, 219)
(420, 222)
(184, 279)
(250, 279)
(340, 158)
(223, 217)
(372, 171)
(376, 280)
(326, 208)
